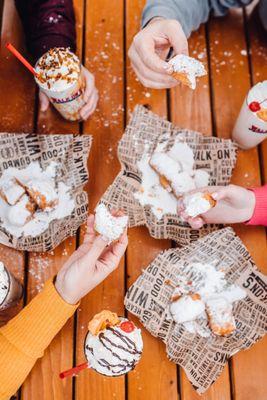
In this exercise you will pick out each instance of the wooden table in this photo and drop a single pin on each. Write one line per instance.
(236, 56)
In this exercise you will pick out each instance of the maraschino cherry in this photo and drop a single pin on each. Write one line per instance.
(254, 106)
(127, 326)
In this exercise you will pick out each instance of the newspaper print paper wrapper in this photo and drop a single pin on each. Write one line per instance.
(142, 135)
(71, 152)
(203, 359)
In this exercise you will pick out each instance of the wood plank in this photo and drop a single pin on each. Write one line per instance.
(155, 377)
(231, 81)
(16, 109)
(104, 57)
(192, 109)
(250, 374)
(43, 381)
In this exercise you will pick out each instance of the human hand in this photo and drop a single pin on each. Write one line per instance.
(90, 96)
(234, 205)
(150, 48)
(89, 265)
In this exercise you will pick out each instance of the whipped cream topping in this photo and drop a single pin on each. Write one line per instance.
(26, 217)
(3, 283)
(189, 66)
(215, 299)
(113, 351)
(177, 166)
(58, 69)
(107, 225)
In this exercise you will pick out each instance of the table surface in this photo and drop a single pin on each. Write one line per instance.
(234, 51)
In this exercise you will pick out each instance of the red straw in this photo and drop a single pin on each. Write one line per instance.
(73, 371)
(21, 58)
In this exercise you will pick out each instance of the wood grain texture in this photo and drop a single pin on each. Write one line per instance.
(17, 95)
(44, 381)
(231, 81)
(104, 57)
(155, 377)
(192, 109)
(107, 32)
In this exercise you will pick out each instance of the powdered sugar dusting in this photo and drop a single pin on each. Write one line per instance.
(189, 66)
(177, 166)
(27, 217)
(111, 227)
(213, 304)
(196, 204)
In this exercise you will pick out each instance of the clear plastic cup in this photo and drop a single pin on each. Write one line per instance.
(68, 100)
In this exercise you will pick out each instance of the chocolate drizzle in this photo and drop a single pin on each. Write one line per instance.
(123, 365)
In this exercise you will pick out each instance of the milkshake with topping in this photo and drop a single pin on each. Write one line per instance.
(251, 125)
(113, 345)
(10, 288)
(58, 75)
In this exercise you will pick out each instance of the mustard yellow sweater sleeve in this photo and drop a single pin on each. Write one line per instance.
(24, 338)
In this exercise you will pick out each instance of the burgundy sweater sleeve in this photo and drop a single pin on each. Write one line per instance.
(259, 216)
(47, 24)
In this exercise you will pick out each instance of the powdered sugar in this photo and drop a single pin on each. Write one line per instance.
(11, 191)
(3, 283)
(215, 294)
(177, 166)
(107, 225)
(196, 204)
(26, 217)
(151, 192)
(187, 309)
(189, 66)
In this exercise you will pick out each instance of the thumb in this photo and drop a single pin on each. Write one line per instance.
(44, 101)
(145, 47)
(177, 37)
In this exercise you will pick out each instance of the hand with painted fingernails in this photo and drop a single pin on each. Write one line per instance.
(150, 48)
(89, 265)
(234, 204)
(90, 96)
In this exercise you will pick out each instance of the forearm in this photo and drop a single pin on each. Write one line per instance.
(47, 24)
(24, 339)
(191, 13)
(259, 216)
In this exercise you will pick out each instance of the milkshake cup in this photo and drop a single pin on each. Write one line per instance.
(114, 347)
(10, 289)
(251, 125)
(59, 76)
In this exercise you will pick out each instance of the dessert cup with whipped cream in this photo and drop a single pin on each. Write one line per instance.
(10, 289)
(113, 345)
(59, 77)
(251, 125)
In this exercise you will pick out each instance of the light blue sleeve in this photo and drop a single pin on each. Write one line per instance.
(190, 13)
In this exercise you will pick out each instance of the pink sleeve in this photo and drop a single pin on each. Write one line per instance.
(259, 216)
